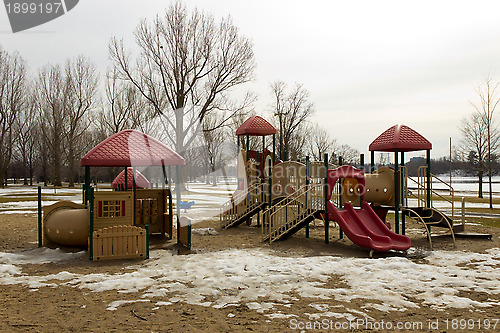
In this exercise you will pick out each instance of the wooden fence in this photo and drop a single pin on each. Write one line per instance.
(120, 242)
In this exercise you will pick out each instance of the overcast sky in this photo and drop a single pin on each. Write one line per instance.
(367, 64)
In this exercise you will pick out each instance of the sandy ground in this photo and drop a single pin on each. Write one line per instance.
(67, 309)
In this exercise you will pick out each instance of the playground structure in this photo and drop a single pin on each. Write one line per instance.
(287, 196)
(116, 224)
(118, 184)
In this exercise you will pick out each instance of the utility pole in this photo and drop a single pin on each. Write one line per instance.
(450, 165)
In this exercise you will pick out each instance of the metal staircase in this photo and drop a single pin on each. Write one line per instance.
(424, 211)
(295, 211)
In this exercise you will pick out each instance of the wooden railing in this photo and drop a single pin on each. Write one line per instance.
(292, 210)
(242, 203)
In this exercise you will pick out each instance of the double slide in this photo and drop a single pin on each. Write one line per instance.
(365, 228)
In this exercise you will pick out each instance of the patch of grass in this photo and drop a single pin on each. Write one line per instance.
(3, 199)
(495, 223)
(458, 198)
(483, 210)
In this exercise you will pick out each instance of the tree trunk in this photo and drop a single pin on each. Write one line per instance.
(25, 173)
(56, 155)
(31, 173)
(214, 176)
(2, 178)
(71, 164)
(480, 178)
(491, 190)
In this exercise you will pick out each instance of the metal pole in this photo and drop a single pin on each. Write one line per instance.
(263, 164)
(362, 161)
(307, 188)
(164, 176)
(396, 191)
(403, 180)
(248, 145)
(325, 193)
(126, 178)
(372, 162)
(450, 165)
(87, 183)
(341, 233)
(169, 177)
(90, 191)
(270, 183)
(237, 162)
(40, 231)
(341, 162)
(178, 198)
(134, 194)
(147, 241)
(274, 148)
(428, 201)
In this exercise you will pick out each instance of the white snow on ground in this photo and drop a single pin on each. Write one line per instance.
(247, 277)
(208, 199)
(204, 231)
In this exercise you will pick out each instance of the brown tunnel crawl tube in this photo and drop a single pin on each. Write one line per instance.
(66, 223)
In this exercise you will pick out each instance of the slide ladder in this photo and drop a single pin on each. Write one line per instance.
(427, 214)
(430, 217)
(243, 205)
(294, 212)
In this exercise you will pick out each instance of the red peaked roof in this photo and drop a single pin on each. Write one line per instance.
(256, 125)
(131, 148)
(402, 138)
(140, 180)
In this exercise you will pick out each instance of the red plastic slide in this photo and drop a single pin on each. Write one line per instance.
(366, 229)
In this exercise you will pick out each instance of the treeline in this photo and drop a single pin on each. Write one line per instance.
(178, 88)
(441, 166)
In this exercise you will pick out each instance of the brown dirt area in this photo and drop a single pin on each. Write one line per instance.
(69, 309)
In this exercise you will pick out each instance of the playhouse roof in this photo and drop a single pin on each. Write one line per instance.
(402, 138)
(131, 148)
(140, 180)
(256, 125)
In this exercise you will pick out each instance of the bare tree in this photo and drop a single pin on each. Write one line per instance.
(51, 91)
(213, 144)
(487, 93)
(320, 142)
(187, 65)
(124, 107)
(28, 135)
(291, 111)
(384, 159)
(475, 144)
(12, 100)
(81, 81)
